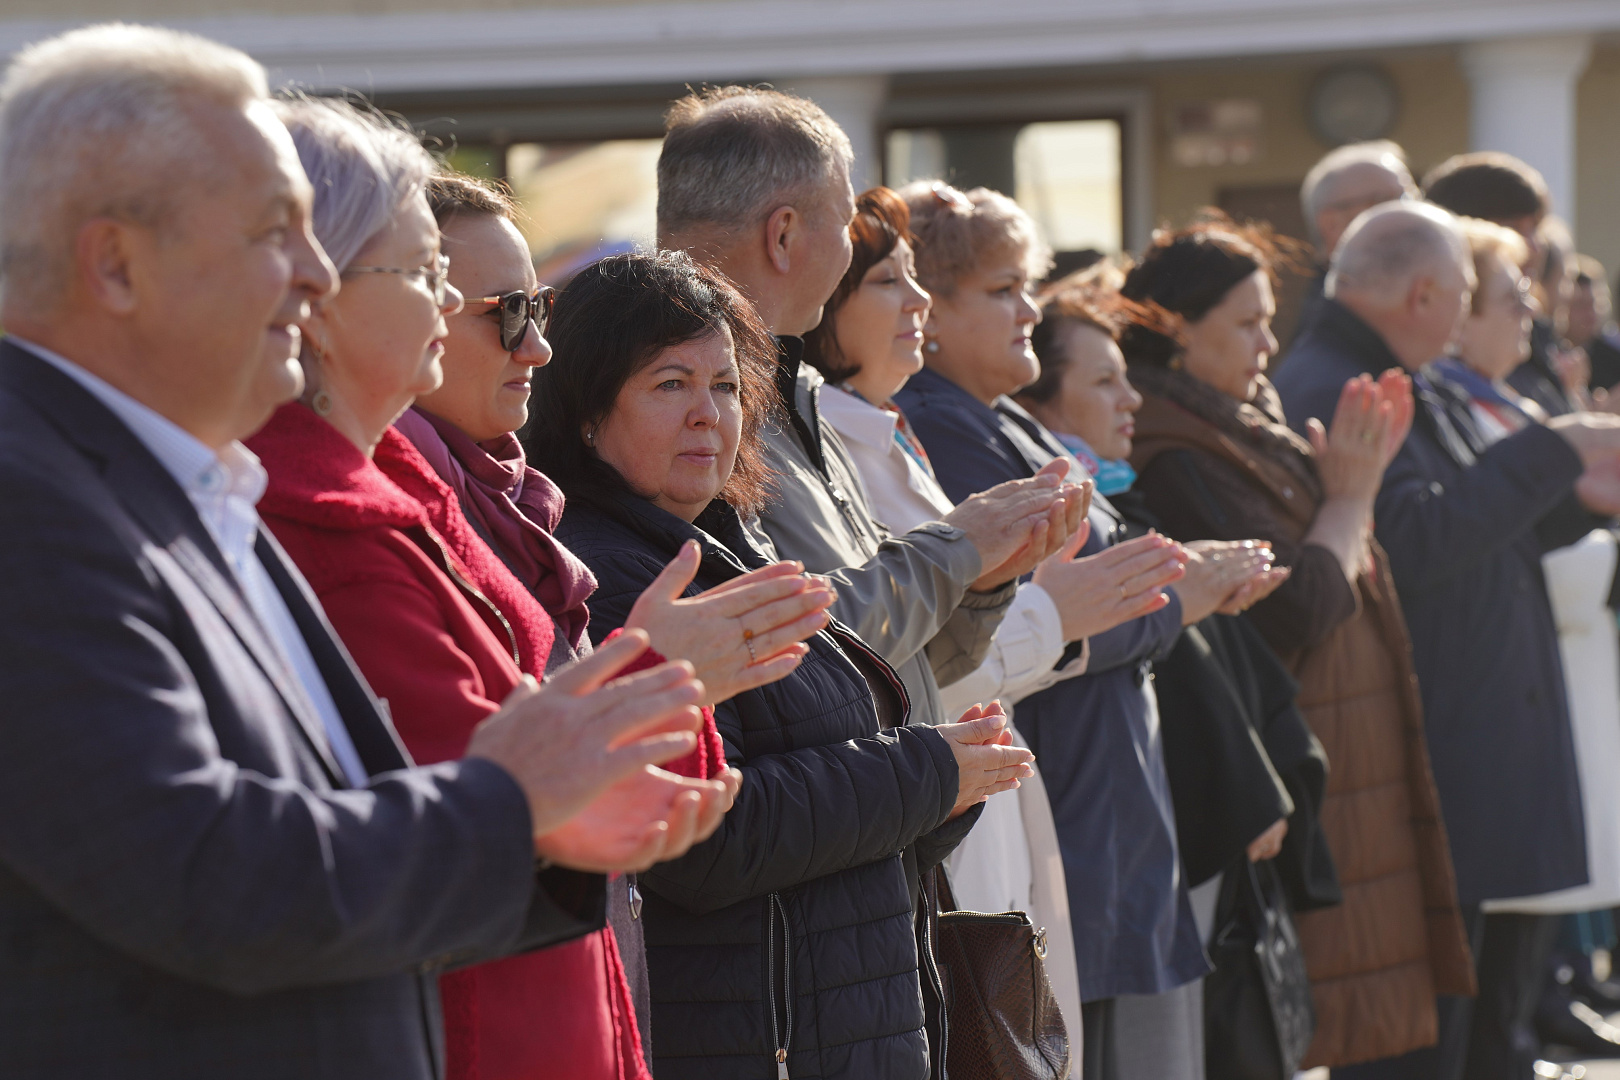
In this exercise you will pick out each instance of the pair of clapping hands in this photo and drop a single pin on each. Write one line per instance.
(1040, 525)
(586, 746)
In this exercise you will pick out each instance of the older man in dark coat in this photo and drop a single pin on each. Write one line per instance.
(1459, 524)
(216, 859)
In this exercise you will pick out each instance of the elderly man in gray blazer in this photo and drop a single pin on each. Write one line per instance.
(216, 860)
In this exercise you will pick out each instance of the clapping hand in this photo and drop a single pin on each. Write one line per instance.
(1114, 586)
(745, 633)
(1017, 524)
(1254, 590)
(987, 761)
(1219, 572)
(651, 816)
(569, 742)
(1369, 425)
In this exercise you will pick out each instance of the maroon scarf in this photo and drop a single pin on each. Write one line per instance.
(516, 506)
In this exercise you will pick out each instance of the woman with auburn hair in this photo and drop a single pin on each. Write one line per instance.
(1217, 459)
(869, 343)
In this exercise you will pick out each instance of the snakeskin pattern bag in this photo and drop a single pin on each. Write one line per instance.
(1002, 1021)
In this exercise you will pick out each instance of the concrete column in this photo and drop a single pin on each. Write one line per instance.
(1524, 104)
(856, 102)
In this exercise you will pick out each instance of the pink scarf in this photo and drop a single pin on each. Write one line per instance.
(516, 507)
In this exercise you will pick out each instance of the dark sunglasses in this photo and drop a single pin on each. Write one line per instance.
(517, 310)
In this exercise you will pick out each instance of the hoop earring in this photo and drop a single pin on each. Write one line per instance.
(321, 402)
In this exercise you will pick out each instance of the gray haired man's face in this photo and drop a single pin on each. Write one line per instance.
(827, 253)
(228, 283)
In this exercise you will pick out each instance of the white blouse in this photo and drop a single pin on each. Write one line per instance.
(1011, 860)
(902, 494)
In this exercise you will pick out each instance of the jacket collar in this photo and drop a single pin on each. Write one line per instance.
(930, 382)
(1023, 433)
(319, 478)
(147, 490)
(1352, 334)
(1163, 425)
(798, 386)
(857, 420)
(149, 493)
(726, 550)
(1437, 413)
(1045, 443)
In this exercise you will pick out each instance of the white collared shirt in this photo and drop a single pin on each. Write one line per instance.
(226, 488)
(902, 494)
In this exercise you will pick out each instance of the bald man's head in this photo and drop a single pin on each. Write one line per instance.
(1405, 269)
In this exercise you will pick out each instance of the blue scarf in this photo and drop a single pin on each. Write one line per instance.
(1112, 476)
(1480, 388)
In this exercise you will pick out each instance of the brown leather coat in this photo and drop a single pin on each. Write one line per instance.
(1377, 961)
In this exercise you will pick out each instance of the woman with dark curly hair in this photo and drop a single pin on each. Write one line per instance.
(1217, 459)
(785, 939)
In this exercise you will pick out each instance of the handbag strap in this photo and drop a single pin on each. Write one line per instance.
(940, 883)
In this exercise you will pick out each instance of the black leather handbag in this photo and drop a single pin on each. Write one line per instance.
(1001, 1020)
(1258, 1014)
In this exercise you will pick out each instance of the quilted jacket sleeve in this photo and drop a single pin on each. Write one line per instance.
(799, 815)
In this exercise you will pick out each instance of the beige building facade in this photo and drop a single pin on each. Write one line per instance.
(1210, 102)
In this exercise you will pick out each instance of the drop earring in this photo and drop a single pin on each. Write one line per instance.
(320, 402)
(931, 347)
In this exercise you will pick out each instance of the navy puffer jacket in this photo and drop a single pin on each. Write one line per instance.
(805, 884)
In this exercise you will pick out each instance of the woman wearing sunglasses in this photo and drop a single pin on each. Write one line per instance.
(465, 431)
(432, 615)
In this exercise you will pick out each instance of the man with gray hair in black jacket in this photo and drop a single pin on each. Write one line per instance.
(216, 858)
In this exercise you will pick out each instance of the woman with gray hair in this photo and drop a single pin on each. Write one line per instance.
(438, 625)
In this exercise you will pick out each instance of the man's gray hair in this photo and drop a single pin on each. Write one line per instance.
(1388, 246)
(363, 167)
(1321, 186)
(101, 122)
(733, 154)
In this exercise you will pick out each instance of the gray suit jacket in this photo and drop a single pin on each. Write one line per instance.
(905, 596)
(188, 889)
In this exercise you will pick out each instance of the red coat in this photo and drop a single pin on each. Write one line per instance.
(439, 646)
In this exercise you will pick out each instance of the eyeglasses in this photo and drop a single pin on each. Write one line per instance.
(517, 310)
(437, 276)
